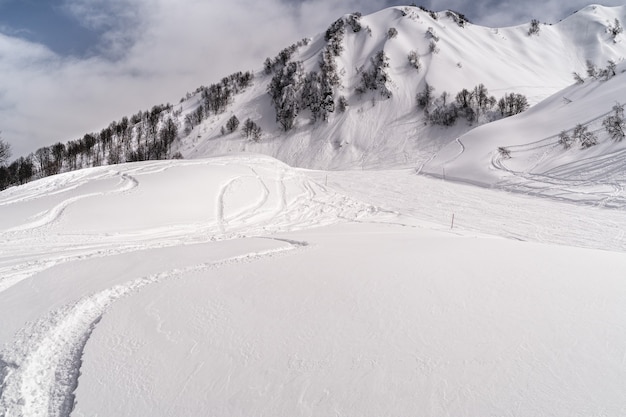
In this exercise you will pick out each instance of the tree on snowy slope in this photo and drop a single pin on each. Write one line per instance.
(5, 153)
(317, 96)
(615, 29)
(354, 20)
(512, 104)
(17, 172)
(376, 78)
(534, 27)
(586, 138)
(334, 36)
(565, 139)
(288, 108)
(167, 136)
(425, 97)
(468, 103)
(283, 88)
(414, 60)
(251, 129)
(482, 99)
(328, 69)
(232, 124)
(615, 124)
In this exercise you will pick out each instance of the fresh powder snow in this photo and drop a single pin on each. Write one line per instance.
(370, 265)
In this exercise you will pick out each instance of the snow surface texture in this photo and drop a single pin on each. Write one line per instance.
(100, 214)
(239, 286)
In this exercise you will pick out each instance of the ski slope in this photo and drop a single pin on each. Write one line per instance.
(238, 285)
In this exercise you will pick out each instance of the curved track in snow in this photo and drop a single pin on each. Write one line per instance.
(40, 370)
(596, 180)
(281, 200)
(127, 183)
(248, 198)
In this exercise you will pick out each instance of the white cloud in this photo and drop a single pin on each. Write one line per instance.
(153, 52)
(501, 13)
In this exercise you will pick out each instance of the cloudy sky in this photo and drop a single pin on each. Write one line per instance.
(68, 67)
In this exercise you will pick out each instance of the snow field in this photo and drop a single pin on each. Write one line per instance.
(246, 287)
(45, 358)
(106, 214)
(374, 320)
(166, 204)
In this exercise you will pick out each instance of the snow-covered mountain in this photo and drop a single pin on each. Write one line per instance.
(376, 131)
(354, 97)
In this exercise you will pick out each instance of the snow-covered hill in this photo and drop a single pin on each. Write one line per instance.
(378, 132)
(525, 153)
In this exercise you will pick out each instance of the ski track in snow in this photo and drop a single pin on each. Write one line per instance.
(316, 206)
(40, 371)
(594, 180)
(127, 184)
(248, 213)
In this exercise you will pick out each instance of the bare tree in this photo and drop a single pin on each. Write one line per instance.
(534, 27)
(586, 138)
(425, 97)
(615, 30)
(577, 78)
(615, 124)
(414, 60)
(5, 151)
(565, 139)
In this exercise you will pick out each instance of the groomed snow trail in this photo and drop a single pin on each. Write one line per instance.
(40, 370)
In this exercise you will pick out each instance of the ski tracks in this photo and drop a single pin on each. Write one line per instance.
(594, 181)
(242, 216)
(127, 183)
(312, 205)
(40, 370)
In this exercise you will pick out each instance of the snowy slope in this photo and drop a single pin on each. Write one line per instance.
(241, 286)
(537, 163)
(378, 132)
